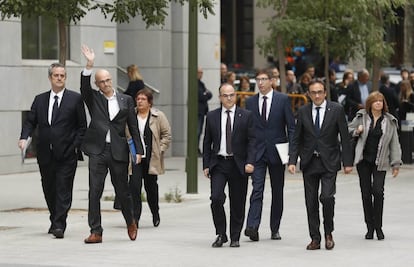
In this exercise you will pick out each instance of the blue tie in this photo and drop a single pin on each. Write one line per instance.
(317, 122)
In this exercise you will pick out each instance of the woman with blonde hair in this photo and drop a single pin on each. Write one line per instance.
(377, 150)
(136, 81)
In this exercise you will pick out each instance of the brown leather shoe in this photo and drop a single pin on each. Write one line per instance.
(329, 243)
(132, 230)
(313, 245)
(93, 238)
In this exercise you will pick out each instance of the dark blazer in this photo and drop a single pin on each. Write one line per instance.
(279, 127)
(242, 139)
(204, 95)
(94, 142)
(305, 139)
(353, 98)
(65, 135)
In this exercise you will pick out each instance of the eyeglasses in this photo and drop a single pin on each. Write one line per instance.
(228, 95)
(258, 80)
(314, 93)
(105, 81)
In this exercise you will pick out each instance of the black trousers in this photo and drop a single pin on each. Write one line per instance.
(98, 169)
(226, 172)
(314, 175)
(139, 173)
(57, 185)
(371, 182)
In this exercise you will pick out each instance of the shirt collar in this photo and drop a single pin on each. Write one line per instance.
(323, 105)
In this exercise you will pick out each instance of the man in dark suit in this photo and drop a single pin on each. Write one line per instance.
(316, 142)
(356, 94)
(274, 123)
(204, 95)
(106, 144)
(228, 157)
(59, 116)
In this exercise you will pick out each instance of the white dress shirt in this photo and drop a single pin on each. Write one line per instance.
(222, 150)
(52, 101)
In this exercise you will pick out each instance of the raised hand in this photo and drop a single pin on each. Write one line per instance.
(89, 55)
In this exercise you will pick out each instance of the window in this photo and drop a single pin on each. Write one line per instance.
(40, 38)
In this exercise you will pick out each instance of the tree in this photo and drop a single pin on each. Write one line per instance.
(337, 27)
(153, 12)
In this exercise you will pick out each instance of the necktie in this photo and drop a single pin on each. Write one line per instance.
(264, 108)
(317, 121)
(229, 150)
(54, 109)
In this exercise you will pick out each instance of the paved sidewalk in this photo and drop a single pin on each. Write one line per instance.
(186, 231)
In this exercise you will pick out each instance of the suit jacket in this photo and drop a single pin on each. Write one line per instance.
(63, 138)
(204, 95)
(353, 98)
(278, 128)
(331, 150)
(94, 142)
(242, 139)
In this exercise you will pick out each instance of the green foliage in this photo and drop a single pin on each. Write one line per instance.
(174, 195)
(346, 28)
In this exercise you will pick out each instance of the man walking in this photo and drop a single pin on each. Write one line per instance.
(274, 124)
(228, 157)
(106, 145)
(59, 116)
(316, 142)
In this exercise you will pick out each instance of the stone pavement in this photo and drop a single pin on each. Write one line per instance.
(186, 231)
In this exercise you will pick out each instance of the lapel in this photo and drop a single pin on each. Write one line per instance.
(45, 103)
(236, 121)
(328, 115)
(274, 103)
(217, 117)
(309, 117)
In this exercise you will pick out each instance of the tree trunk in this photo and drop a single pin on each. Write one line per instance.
(326, 70)
(376, 67)
(62, 41)
(281, 58)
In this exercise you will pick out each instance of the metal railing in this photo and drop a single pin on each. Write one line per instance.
(125, 79)
(296, 100)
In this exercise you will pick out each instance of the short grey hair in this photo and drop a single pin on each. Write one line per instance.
(53, 66)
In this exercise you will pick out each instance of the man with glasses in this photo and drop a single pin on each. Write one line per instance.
(316, 143)
(228, 157)
(106, 144)
(274, 124)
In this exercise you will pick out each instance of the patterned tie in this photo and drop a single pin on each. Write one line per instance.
(317, 122)
(264, 108)
(55, 109)
(229, 151)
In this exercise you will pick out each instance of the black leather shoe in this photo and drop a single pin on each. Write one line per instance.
(252, 233)
(220, 240)
(50, 231)
(58, 233)
(380, 234)
(156, 220)
(234, 244)
(276, 236)
(369, 234)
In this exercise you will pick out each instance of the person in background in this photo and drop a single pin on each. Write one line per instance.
(230, 77)
(228, 158)
(292, 87)
(357, 93)
(136, 81)
(404, 76)
(59, 116)
(244, 84)
(376, 151)
(223, 72)
(106, 145)
(389, 93)
(273, 124)
(204, 95)
(332, 85)
(275, 79)
(155, 133)
(316, 142)
(406, 100)
(304, 81)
